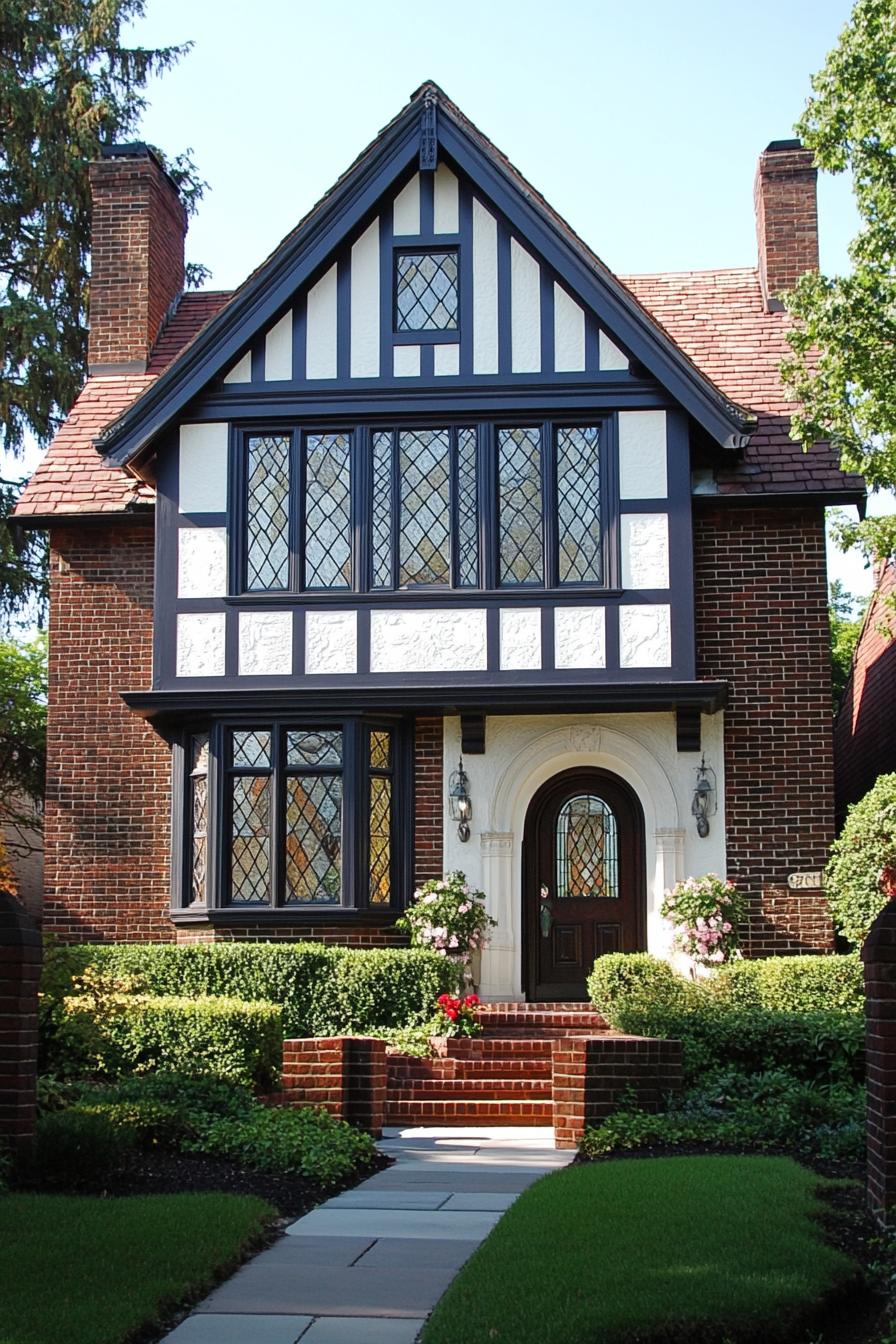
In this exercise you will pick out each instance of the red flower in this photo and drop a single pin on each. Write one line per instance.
(471, 1001)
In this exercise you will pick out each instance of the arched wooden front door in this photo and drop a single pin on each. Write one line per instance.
(583, 880)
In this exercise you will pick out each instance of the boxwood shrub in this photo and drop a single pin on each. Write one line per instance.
(222, 1036)
(643, 995)
(794, 984)
(322, 991)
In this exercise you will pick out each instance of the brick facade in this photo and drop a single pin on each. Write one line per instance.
(592, 1077)
(107, 823)
(429, 801)
(136, 258)
(762, 626)
(865, 731)
(346, 1075)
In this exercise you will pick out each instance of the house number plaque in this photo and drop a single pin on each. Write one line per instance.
(803, 881)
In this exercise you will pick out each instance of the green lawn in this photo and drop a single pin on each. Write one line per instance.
(90, 1271)
(716, 1247)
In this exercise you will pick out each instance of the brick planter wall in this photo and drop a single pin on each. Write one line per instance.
(762, 626)
(591, 1074)
(346, 1075)
(20, 963)
(879, 958)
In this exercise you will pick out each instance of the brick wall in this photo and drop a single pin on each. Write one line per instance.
(136, 257)
(865, 731)
(107, 823)
(339, 935)
(762, 626)
(346, 1075)
(590, 1077)
(429, 800)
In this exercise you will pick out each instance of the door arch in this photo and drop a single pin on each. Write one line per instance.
(584, 890)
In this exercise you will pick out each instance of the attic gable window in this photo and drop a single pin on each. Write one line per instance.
(426, 291)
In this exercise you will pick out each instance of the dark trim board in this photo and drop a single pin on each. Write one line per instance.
(174, 707)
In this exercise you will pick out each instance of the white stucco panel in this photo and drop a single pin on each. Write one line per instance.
(202, 468)
(265, 643)
(645, 550)
(520, 638)
(365, 301)
(200, 644)
(202, 562)
(645, 636)
(406, 209)
(428, 641)
(609, 354)
(241, 371)
(580, 637)
(642, 455)
(278, 351)
(485, 290)
(320, 338)
(406, 361)
(446, 360)
(445, 206)
(331, 642)
(569, 333)
(525, 310)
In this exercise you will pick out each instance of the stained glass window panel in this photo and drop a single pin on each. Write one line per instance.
(314, 839)
(380, 839)
(467, 510)
(587, 858)
(314, 747)
(267, 542)
(520, 506)
(250, 846)
(380, 753)
(578, 505)
(424, 465)
(426, 292)
(381, 520)
(328, 560)
(252, 749)
(199, 819)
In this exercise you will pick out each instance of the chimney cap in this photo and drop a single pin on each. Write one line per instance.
(780, 146)
(134, 149)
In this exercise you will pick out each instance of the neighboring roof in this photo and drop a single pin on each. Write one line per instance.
(719, 320)
(713, 321)
(865, 728)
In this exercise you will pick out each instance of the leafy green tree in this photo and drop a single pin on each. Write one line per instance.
(861, 874)
(23, 725)
(848, 388)
(68, 84)
(846, 615)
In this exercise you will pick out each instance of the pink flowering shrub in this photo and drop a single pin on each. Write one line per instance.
(448, 916)
(705, 913)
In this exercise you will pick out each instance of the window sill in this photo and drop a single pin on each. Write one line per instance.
(414, 596)
(334, 915)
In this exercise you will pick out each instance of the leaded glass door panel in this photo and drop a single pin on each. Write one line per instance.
(583, 880)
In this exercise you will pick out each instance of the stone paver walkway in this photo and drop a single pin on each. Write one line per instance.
(368, 1266)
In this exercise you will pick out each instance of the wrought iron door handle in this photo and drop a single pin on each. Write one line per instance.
(545, 915)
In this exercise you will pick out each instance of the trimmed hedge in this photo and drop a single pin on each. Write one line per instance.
(222, 1036)
(793, 984)
(322, 991)
(640, 994)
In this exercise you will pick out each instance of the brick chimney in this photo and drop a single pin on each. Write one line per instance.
(786, 218)
(137, 256)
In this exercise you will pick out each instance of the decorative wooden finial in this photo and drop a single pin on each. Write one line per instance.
(429, 144)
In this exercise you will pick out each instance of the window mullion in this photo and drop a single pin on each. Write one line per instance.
(278, 815)
(218, 818)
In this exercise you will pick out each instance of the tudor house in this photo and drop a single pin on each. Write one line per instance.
(435, 485)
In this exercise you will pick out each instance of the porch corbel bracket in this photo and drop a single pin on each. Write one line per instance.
(687, 728)
(472, 734)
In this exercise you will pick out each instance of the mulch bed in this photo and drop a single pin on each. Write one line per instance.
(167, 1173)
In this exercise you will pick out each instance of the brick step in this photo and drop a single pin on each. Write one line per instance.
(494, 1047)
(564, 1016)
(527, 1032)
(421, 1088)
(469, 1112)
(496, 1066)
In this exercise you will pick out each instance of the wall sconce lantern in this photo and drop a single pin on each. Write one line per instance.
(703, 805)
(460, 808)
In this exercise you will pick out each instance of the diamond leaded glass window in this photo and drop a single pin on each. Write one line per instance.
(328, 557)
(426, 291)
(467, 510)
(314, 839)
(521, 544)
(578, 505)
(199, 818)
(424, 465)
(267, 513)
(586, 849)
(381, 519)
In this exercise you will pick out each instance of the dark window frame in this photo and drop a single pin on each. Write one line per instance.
(361, 440)
(425, 335)
(356, 773)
